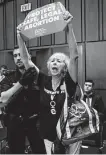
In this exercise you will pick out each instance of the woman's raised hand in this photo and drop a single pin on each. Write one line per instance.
(67, 16)
(19, 27)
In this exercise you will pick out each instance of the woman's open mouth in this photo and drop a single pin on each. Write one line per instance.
(55, 69)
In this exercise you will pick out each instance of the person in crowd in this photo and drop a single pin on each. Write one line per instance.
(3, 69)
(22, 113)
(95, 100)
(92, 98)
(62, 78)
(62, 72)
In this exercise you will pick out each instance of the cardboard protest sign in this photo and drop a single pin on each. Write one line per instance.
(43, 21)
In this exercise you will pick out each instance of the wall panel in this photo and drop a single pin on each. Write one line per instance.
(75, 10)
(33, 42)
(8, 59)
(96, 63)
(44, 2)
(104, 19)
(60, 37)
(81, 64)
(1, 28)
(100, 19)
(9, 25)
(91, 20)
(20, 15)
(2, 58)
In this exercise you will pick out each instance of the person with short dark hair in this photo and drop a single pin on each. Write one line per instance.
(22, 113)
(3, 69)
(95, 99)
(90, 81)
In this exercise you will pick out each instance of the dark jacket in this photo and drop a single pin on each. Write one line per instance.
(97, 103)
(27, 101)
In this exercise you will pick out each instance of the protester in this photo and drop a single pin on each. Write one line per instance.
(62, 71)
(94, 100)
(22, 112)
(62, 78)
(3, 70)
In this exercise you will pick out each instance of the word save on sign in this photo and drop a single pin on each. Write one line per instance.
(43, 21)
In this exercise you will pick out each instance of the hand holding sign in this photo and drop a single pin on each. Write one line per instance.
(46, 20)
(19, 27)
(66, 14)
(67, 17)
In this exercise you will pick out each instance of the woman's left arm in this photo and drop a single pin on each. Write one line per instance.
(73, 49)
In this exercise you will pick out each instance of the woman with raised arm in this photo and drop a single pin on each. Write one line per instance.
(62, 69)
(62, 77)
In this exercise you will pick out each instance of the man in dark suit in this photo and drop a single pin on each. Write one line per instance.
(90, 97)
(94, 100)
(22, 113)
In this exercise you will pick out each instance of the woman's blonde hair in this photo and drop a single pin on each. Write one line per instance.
(62, 57)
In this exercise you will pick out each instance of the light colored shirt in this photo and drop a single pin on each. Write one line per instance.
(89, 101)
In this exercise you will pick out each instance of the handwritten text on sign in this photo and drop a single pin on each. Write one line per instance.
(43, 21)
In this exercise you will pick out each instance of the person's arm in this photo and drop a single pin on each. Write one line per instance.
(25, 80)
(24, 53)
(73, 49)
(8, 95)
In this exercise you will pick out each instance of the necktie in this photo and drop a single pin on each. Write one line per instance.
(88, 101)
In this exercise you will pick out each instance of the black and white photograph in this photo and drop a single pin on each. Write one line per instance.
(53, 77)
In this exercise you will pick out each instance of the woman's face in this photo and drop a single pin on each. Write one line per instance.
(56, 65)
